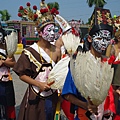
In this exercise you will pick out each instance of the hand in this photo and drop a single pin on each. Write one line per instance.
(1, 62)
(92, 108)
(44, 86)
(118, 91)
(8, 59)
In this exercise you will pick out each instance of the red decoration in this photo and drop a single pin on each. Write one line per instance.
(35, 7)
(25, 11)
(46, 10)
(57, 12)
(35, 16)
(75, 32)
(19, 14)
(28, 4)
(43, 10)
(111, 59)
(21, 7)
(53, 10)
(48, 7)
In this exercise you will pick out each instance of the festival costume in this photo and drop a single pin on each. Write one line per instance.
(43, 17)
(104, 108)
(7, 95)
(70, 88)
(116, 84)
(98, 22)
(33, 106)
(115, 61)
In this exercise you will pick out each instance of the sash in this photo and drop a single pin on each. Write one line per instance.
(43, 53)
(48, 59)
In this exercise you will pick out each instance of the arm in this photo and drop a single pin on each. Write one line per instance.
(85, 105)
(70, 93)
(73, 99)
(112, 51)
(42, 85)
(58, 53)
(9, 62)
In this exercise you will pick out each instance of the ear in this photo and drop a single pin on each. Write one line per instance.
(89, 38)
(40, 33)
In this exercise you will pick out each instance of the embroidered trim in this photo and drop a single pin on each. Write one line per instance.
(32, 59)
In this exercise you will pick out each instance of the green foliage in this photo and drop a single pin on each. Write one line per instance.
(53, 5)
(5, 16)
(97, 3)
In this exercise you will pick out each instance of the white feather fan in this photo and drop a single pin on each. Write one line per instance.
(58, 73)
(71, 42)
(92, 77)
(11, 43)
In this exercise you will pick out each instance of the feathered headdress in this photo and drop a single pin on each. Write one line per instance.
(40, 17)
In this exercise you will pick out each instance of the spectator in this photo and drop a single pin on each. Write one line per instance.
(24, 41)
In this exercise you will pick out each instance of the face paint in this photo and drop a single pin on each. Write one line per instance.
(101, 40)
(1, 37)
(48, 33)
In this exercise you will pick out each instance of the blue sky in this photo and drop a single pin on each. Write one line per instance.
(69, 9)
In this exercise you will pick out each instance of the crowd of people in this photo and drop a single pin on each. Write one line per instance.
(38, 60)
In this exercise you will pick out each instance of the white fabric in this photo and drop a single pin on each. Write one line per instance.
(40, 77)
(92, 77)
(3, 51)
(62, 22)
(43, 53)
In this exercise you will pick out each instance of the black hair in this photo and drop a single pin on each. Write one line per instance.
(86, 45)
(116, 40)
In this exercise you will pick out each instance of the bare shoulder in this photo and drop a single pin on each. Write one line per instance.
(58, 49)
(59, 42)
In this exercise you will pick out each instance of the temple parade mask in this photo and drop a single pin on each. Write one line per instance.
(101, 40)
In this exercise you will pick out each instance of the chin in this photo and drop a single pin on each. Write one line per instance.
(51, 40)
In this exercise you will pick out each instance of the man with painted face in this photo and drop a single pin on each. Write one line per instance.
(34, 66)
(7, 95)
(98, 40)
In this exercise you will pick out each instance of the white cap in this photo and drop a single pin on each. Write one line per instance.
(62, 22)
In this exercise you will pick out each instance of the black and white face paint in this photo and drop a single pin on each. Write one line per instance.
(101, 40)
(1, 37)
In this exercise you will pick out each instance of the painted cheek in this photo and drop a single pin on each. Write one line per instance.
(52, 32)
(44, 34)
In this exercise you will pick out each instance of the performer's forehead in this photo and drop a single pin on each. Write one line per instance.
(104, 31)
